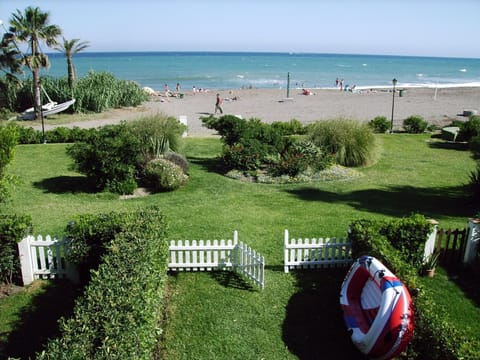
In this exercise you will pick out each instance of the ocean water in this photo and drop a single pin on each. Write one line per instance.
(218, 70)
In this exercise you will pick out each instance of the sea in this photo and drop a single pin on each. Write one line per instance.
(234, 70)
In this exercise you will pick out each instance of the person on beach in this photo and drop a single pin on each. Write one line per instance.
(218, 104)
(194, 89)
(177, 89)
(167, 91)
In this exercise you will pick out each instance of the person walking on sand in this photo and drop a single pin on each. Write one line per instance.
(218, 105)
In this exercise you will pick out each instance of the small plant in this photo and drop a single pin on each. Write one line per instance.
(379, 124)
(432, 261)
(164, 175)
(415, 124)
(475, 183)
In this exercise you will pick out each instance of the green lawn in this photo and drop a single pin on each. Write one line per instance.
(220, 316)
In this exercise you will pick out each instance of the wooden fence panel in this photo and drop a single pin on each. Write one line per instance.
(451, 246)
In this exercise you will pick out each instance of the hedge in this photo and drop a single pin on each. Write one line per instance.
(434, 337)
(117, 317)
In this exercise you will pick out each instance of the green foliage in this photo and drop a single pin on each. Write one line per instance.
(408, 235)
(379, 124)
(475, 147)
(469, 129)
(117, 317)
(415, 124)
(8, 141)
(351, 142)
(179, 160)
(434, 337)
(293, 127)
(164, 175)
(474, 183)
(298, 157)
(109, 157)
(96, 92)
(28, 135)
(13, 228)
(159, 134)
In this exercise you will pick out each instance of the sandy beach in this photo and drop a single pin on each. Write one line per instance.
(437, 106)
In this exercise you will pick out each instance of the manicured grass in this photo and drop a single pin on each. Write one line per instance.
(220, 316)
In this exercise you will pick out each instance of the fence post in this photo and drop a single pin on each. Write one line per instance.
(473, 240)
(26, 260)
(430, 243)
(285, 255)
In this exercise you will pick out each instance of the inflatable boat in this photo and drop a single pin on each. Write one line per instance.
(377, 309)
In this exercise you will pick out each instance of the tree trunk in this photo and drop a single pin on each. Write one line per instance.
(71, 72)
(37, 101)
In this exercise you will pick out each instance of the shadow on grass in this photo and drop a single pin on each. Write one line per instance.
(209, 164)
(313, 326)
(397, 200)
(39, 321)
(467, 279)
(449, 145)
(65, 184)
(232, 280)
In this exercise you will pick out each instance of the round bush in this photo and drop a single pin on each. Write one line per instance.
(163, 175)
(379, 124)
(351, 142)
(178, 159)
(469, 129)
(415, 124)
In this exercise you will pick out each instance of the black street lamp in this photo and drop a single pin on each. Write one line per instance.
(394, 82)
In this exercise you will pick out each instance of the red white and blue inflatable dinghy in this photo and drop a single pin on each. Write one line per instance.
(377, 308)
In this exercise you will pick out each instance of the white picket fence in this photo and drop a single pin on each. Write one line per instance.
(208, 255)
(315, 253)
(44, 258)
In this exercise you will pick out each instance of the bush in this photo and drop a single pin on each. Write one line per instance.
(415, 124)
(13, 228)
(350, 142)
(379, 124)
(164, 175)
(110, 157)
(297, 158)
(8, 141)
(178, 160)
(475, 184)
(117, 317)
(158, 135)
(469, 129)
(293, 127)
(475, 147)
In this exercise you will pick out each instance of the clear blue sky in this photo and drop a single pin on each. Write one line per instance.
(398, 27)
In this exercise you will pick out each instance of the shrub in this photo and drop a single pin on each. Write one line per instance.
(297, 158)
(178, 160)
(250, 154)
(8, 141)
(110, 157)
(469, 129)
(351, 142)
(292, 127)
(13, 228)
(379, 124)
(475, 183)
(163, 175)
(158, 135)
(117, 317)
(415, 124)
(475, 147)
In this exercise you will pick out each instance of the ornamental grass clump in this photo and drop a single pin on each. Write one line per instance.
(351, 142)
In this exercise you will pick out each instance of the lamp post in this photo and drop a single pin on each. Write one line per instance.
(394, 82)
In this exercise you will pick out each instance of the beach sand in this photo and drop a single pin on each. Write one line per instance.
(438, 107)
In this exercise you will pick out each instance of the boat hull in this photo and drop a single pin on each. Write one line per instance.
(377, 309)
(48, 109)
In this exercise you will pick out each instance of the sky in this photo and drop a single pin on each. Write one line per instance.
(444, 28)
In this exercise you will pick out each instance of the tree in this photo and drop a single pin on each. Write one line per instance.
(33, 26)
(10, 65)
(69, 48)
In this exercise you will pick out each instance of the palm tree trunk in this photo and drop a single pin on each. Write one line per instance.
(71, 72)
(37, 101)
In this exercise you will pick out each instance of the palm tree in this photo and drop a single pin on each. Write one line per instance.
(69, 48)
(33, 26)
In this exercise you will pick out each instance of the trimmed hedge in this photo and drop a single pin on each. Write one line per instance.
(117, 317)
(434, 337)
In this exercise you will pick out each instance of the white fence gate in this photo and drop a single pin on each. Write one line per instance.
(313, 253)
(44, 258)
(222, 254)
